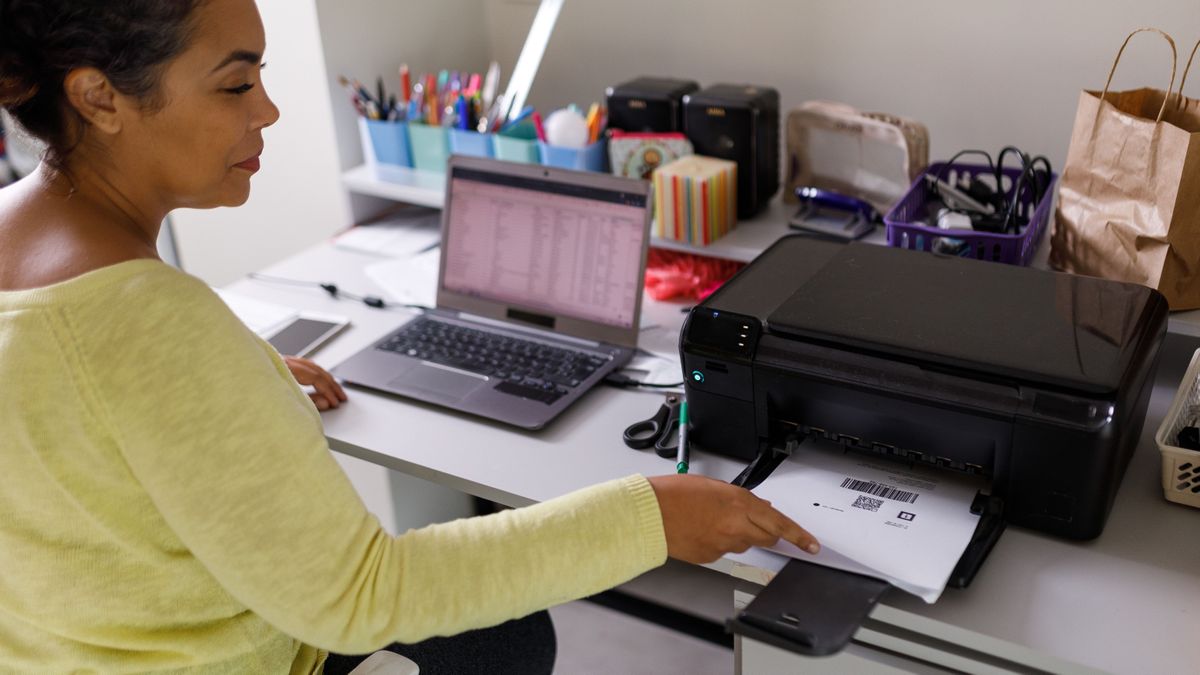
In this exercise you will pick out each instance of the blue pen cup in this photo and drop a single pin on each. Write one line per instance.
(510, 149)
(430, 147)
(592, 158)
(389, 142)
(473, 143)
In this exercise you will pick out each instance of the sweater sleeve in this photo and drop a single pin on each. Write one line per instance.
(231, 451)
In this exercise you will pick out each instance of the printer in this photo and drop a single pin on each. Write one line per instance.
(1038, 381)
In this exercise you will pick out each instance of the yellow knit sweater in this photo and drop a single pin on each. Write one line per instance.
(169, 502)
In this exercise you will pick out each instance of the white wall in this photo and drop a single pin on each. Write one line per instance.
(978, 74)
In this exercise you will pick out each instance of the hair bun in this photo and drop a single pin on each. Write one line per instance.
(18, 81)
(15, 89)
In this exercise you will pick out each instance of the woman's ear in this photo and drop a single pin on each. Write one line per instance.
(93, 97)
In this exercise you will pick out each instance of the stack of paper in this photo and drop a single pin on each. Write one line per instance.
(906, 525)
(399, 234)
(260, 316)
(410, 280)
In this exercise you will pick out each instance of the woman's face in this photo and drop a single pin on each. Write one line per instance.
(200, 148)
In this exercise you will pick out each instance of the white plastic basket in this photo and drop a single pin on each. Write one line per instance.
(1180, 466)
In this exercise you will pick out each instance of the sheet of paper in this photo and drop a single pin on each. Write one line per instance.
(397, 235)
(660, 341)
(260, 316)
(657, 358)
(411, 280)
(907, 525)
(653, 369)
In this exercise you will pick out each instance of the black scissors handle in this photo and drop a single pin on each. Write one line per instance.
(658, 432)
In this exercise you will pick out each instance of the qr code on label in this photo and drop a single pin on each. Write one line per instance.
(867, 504)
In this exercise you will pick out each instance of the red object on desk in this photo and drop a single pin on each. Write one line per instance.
(675, 274)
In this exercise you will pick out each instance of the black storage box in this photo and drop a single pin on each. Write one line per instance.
(648, 104)
(738, 122)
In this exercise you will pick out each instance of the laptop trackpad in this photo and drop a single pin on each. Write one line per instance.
(446, 385)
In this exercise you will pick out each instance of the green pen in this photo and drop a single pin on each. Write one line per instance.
(682, 456)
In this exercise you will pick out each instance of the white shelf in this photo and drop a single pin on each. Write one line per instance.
(745, 241)
(426, 188)
(412, 186)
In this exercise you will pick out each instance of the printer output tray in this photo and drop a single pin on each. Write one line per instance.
(815, 611)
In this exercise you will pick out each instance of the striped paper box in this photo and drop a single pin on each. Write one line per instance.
(695, 199)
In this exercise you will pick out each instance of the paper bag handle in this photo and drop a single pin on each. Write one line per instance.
(1174, 63)
(1183, 80)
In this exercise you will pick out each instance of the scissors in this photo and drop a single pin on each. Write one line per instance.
(660, 432)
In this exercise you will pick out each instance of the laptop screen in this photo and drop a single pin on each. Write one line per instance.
(564, 249)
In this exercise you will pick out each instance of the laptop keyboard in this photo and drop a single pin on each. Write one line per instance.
(526, 368)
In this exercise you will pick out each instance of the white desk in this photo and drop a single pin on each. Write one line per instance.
(1128, 602)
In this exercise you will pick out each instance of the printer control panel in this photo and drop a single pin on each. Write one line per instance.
(718, 351)
(726, 333)
(718, 366)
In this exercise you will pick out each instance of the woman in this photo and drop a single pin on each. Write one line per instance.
(169, 499)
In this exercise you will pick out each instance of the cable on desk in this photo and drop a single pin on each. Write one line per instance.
(624, 382)
(337, 293)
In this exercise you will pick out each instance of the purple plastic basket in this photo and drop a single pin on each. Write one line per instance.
(907, 228)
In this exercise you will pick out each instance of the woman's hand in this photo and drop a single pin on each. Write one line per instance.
(705, 518)
(328, 394)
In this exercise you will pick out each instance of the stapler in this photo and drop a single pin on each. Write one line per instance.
(834, 214)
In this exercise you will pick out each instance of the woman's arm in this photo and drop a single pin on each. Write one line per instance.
(232, 453)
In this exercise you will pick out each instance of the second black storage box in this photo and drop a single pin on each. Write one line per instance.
(738, 122)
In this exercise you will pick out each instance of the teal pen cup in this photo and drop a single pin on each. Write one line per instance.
(430, 147)
(524, 150)
(389, 142)
(468, 142)
(592, 158)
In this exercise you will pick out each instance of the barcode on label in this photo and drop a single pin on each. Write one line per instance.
(879, 490)
(867, 504)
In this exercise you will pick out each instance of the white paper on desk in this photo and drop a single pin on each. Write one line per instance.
(410, 280)
(259, 316)
(653, 369)
(656, 360)
(883, 519)
(398, 235)
(660, 341)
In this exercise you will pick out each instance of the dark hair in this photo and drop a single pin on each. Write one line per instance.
(41, 41)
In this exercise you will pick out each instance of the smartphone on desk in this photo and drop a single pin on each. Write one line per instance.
(305, 333)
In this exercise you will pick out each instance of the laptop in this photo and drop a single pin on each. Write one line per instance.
(539, 294)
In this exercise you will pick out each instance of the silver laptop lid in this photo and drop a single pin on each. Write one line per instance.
(545, 247)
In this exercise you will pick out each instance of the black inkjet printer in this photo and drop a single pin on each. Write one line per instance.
(1037, 380)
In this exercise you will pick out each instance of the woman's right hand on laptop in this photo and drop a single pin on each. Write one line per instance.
(704, 518)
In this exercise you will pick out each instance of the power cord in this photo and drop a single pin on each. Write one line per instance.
(1000, 212)
(337, 293)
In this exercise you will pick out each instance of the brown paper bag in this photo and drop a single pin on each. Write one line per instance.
(1129, 195)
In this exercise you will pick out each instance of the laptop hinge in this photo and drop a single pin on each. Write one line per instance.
(539, 320)
(529, 330)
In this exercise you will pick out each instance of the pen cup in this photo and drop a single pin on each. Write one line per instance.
(468, 142)
(430, 147)
(591, 158)
(524, 150)
(386, 142)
